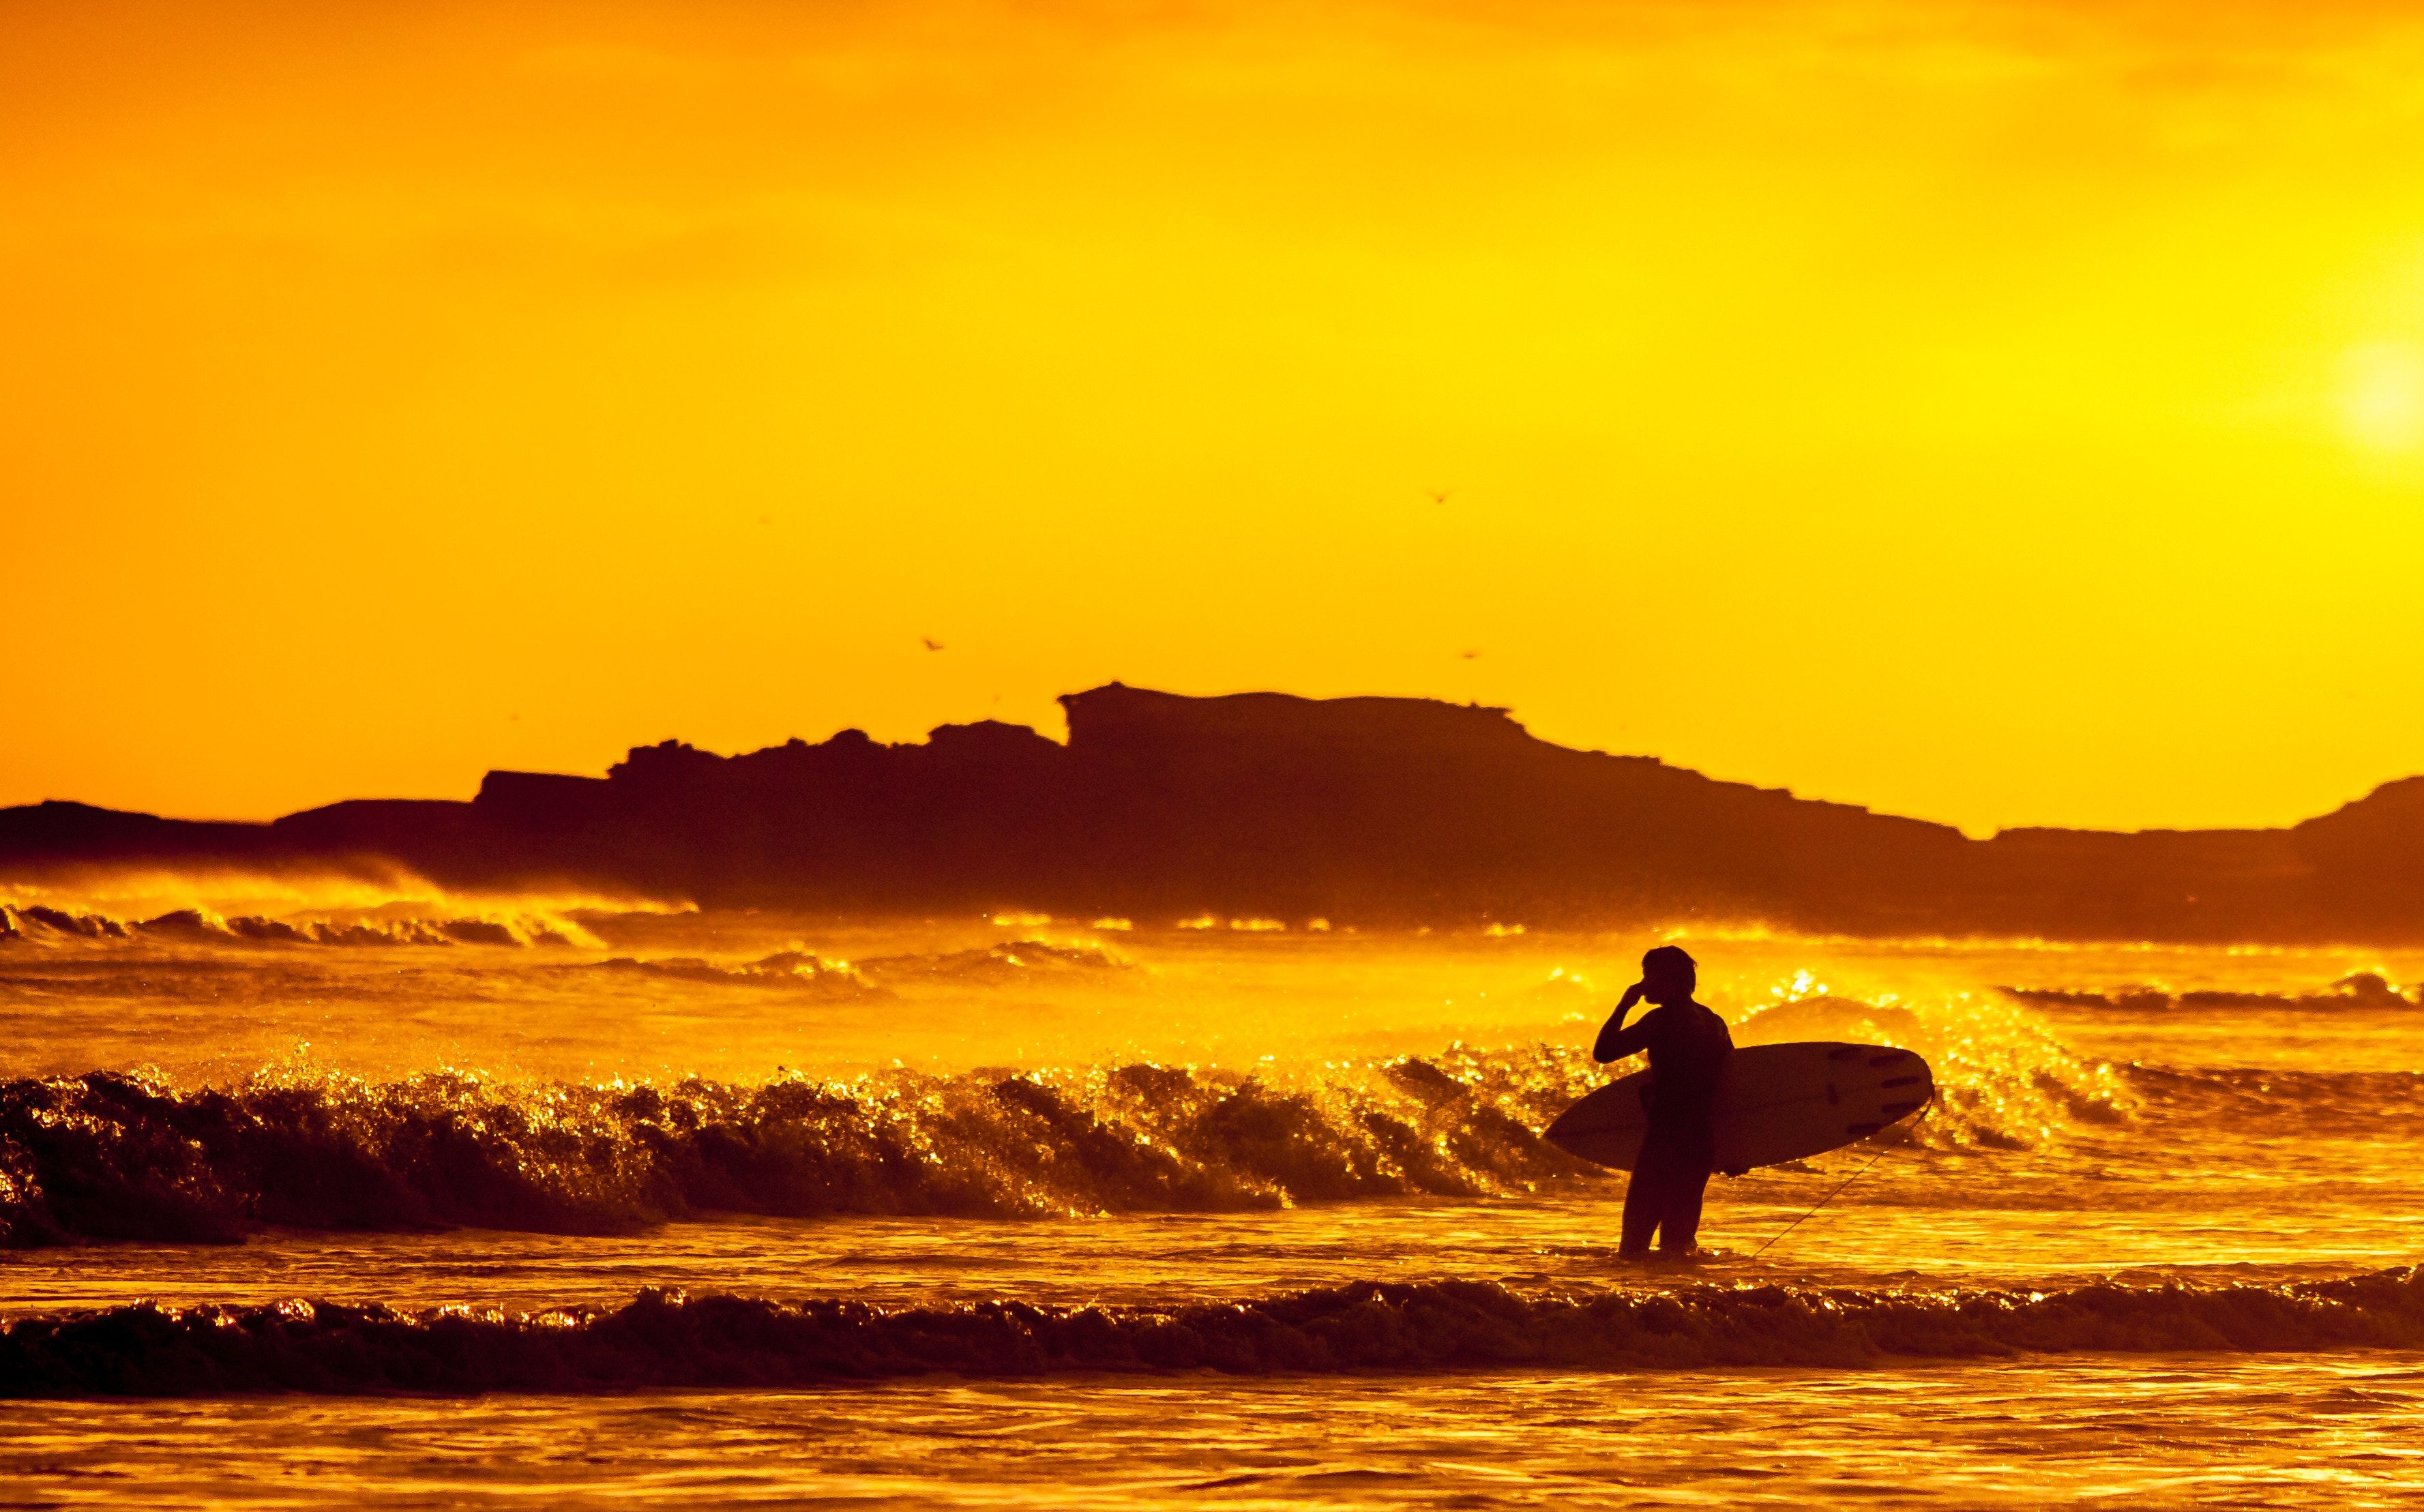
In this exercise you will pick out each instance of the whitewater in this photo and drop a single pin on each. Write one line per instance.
(409, 1201)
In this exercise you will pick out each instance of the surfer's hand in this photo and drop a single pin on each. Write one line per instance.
(1611, 1035)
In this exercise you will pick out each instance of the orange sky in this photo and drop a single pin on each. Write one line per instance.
(2001, 413)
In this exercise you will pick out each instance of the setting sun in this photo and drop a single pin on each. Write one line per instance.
(2385, 397)
(1801, 392)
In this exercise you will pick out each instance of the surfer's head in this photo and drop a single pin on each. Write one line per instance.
(1668, 976)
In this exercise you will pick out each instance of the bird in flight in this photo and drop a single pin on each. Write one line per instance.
(932, 645)
(1468, 655)
(1439, 496)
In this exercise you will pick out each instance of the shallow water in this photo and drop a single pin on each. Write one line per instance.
(2183, 1431)
(939, 1115)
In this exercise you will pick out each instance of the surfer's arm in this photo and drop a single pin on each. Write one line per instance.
(1616, 1042)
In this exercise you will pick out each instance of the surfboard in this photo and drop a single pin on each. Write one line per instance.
(1778, 1103)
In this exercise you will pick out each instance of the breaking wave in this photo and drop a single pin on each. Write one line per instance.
(786, 970)
(2002, 1081)
(196, 926)
(1010, 960)
(668, 1340)
(796, 969)
(2363, 989)
(802, 970)
(112, 1155)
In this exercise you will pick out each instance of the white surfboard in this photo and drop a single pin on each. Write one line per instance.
(1778, 1103)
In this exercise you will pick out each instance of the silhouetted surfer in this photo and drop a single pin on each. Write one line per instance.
(1688, 1046)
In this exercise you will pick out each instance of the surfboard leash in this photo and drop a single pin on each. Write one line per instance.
(1908, 1130)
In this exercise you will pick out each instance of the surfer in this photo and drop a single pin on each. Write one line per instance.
(1688, 1046)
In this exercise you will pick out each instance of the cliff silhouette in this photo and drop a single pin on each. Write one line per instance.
(1377, 811)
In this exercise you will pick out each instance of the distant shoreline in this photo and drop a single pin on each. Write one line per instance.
(1385, 812)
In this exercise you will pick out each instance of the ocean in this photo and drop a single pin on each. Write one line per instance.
(402, 1202)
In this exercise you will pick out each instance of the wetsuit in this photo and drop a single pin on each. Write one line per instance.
(1688, 1048)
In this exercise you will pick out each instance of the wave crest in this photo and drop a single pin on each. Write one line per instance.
(2360, 989)
(1010, 960)
(668, 1340)
(201, 927)
(789, 970)
(800, 969)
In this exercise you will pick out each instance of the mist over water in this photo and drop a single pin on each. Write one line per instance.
(472, 1147)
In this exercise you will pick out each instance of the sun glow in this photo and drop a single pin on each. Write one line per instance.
(480, 387)
(2383, 396)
